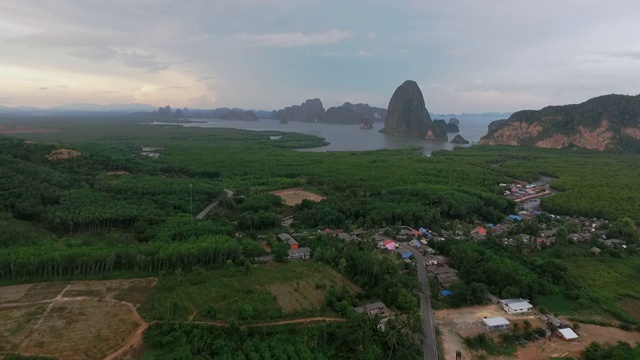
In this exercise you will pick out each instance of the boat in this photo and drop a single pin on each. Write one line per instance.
(365, 125)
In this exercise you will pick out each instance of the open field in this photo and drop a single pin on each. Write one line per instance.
(295, 196)
(557, 347)
(76, 320)
(269, 292)
(456, 323)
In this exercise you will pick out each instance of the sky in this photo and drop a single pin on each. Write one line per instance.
(466, 55)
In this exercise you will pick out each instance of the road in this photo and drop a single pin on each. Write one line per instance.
(204, 212)
(430, 347)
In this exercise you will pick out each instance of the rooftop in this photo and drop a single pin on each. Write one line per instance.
(568, 334)
(496, 321)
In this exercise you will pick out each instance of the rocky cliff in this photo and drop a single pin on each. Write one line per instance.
(368, 112)
(310, 111)
(341, 115)
(458, 139)
(407, 115)
(239, 115)
(610, 122)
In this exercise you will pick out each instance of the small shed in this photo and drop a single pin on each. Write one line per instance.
(568, 334)
(446, 293)
(406, 255)
(496, 323)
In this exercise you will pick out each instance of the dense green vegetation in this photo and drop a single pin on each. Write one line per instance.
(358, 338)
(621, 351)
(70, 219)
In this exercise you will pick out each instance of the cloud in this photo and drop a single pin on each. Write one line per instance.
(294, 39)
(130, 58)
(135, 59)
(53, 39)
(44, 88)
(96, 53)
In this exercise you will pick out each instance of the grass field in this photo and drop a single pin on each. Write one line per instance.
(556, 303)
(269, 292)
(615, 283)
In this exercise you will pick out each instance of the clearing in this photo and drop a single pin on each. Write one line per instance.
(24, 130)
(74, 320)
(295, 196)
(268, 293)
(556, 347)
(454, 323)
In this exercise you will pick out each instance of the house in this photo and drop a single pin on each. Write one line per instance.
(568, 334)
(293, 244)
(415, 243)
(515, 306)
(479, 230)
(375, 308)
(345, 237)
(406, 255)
(415, 233)
(302, 253)
(428, 250)
(613, 242)
(389, 245)
(595, 250)
(496, 323)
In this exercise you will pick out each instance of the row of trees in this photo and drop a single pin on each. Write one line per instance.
(56, 261)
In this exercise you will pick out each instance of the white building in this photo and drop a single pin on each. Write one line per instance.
(496, 323)
(516, 306)
(568, 334)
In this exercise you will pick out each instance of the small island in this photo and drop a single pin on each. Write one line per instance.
(459, 140)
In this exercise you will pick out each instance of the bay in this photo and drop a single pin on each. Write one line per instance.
(351, 137)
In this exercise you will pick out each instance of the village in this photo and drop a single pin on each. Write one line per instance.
(528, 226)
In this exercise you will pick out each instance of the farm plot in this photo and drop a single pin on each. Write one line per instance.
(295, 196)
(268, 292)
(76, 320)
(86, 329)
(16, 324)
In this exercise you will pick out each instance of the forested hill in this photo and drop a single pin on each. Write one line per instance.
(610, 122)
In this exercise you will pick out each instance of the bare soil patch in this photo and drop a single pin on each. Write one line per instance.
(455, 323)
(118, 173)
(10, 294)
(16, 324)
(85, 320)
(41, 292)
(557, 347)
(86, 329)
(295, 196)
(60, 154)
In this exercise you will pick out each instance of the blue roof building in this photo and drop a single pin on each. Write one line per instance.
(446, 293)
(416, 243)
(515, 217)
(406, 255)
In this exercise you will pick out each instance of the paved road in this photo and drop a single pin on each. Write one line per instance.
(430, 347)
(204, 212)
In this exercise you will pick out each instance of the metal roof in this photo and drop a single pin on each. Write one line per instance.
(568, 334)
(496, 321)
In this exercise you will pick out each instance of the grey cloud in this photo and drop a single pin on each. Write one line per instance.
(97, 53)
(130, 58)
(331, 36)
(69, 39)
(135, 59)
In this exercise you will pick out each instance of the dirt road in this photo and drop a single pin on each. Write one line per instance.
(204, 212)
